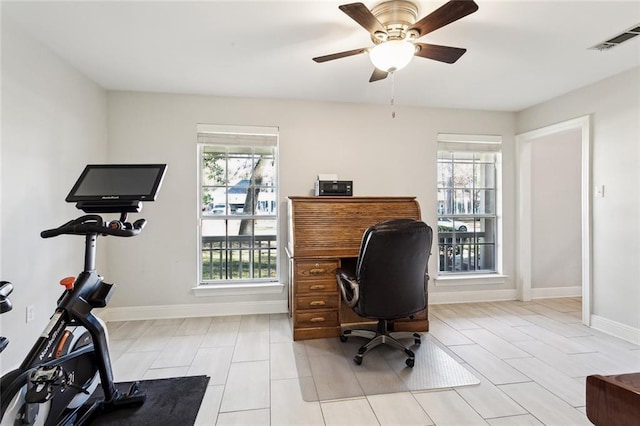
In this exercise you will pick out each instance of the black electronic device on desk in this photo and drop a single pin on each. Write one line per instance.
(334, 188)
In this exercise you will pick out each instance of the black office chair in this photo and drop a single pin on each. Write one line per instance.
(389, 281)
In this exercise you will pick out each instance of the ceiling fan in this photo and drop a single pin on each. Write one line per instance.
(393, 28)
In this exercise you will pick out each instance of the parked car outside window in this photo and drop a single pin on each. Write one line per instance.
(445, 223)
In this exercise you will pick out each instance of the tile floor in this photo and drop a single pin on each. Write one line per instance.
(531, 357)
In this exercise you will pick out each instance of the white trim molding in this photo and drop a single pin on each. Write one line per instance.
(456, 280)
(237, 289)
(134, 313)
(523, 147)
(625, 332)
(471, 296)
(552, 292)
(438, 298)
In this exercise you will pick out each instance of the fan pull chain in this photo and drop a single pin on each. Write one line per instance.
(393, 92)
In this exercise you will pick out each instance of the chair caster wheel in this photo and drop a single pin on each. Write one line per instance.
(417, 341)
(410, 362)
(343, 338)
(357, 359)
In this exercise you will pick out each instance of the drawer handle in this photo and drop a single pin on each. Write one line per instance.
(318, 319)
(317, 271)
(318, 303)
(317, 287)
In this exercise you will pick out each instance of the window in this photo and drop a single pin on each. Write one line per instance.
(468, 203)
(238, 205)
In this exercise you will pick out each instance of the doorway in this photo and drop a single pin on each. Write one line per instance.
(525, 142)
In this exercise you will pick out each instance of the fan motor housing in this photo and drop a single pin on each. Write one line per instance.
(397, 16)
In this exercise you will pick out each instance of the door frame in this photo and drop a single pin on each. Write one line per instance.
(523, 209)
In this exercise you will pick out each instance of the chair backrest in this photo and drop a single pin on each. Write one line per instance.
(392, 267)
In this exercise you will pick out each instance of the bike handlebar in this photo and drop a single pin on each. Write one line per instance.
(94, 224)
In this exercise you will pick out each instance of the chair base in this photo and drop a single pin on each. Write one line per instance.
(382, 337)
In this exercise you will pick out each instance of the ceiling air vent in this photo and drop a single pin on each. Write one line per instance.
(618, 39)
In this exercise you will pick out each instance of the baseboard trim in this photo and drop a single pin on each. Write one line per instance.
(623, 331)
(551, 292)
(438, 298)
(133, 313)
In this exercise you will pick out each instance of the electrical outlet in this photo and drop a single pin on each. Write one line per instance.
(31, 313)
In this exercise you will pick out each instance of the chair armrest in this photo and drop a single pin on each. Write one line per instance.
(349, 287)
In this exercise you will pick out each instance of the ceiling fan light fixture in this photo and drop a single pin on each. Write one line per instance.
(392, 55)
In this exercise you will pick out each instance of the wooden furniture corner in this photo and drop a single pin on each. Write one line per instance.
(324, 234)
(613, 400)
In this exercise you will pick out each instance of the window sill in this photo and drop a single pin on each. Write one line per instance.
(207, 290)
(465, 280)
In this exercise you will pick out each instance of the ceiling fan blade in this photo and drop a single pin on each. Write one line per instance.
(339, 55)
(439, 53)
(444, 15)
(363, 16)
(378, 75)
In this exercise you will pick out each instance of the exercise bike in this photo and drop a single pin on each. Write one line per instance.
(71, 356)
(54, 384)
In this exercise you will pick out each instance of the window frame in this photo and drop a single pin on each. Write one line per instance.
(473, 144)
(239, 137)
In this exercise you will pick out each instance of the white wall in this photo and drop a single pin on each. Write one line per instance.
(614, 105)
(383, 156)
(53, 123)
(556, 237)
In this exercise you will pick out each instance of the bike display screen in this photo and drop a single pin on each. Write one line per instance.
(106, 183)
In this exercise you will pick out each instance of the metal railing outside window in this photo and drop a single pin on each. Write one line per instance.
(239, 257)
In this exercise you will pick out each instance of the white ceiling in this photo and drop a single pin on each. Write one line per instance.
(520, 53)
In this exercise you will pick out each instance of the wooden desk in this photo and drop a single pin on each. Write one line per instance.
(324, 234)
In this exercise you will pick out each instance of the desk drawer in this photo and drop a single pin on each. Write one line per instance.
(316, 287)
(316, 319)
(315, 269)
(319, 301)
